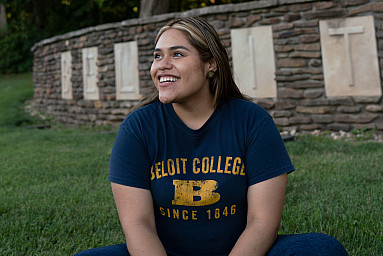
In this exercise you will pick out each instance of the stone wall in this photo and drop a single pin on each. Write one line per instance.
(302, 102)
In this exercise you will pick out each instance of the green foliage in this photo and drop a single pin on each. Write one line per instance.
(17, 39)
(15, 43)
(30, 21)
(364, 133)
(15, 53)
(183, 5)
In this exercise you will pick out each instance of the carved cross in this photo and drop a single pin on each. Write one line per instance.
(66, 75)
(89, 56)
(252, 59)
(346, 31)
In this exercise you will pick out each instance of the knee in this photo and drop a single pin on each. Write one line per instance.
(83, 253)
(110, 250)
(326, 245)
(88, 252)
(315, 244)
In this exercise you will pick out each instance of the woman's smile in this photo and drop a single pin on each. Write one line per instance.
(167, 80)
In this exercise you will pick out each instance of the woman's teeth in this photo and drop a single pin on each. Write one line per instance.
(167, 79)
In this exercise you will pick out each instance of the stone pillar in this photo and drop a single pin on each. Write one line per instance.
(3, 16)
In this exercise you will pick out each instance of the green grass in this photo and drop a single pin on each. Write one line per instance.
(55, 199)
(14, 91)
(337, 189)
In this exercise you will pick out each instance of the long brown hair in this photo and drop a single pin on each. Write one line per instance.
(205, 39)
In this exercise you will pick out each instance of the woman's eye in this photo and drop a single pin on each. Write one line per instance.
(178, 54)
(156, 56)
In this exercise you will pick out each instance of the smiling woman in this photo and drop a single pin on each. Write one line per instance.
(178, 72)
(172, 157)
(180, 77)
(203, 38)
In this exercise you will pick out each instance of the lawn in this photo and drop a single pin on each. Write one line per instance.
(14, 91)
(55, 199)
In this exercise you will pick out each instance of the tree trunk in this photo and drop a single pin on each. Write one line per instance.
(153, 7)
(39, 14)
(3, 16)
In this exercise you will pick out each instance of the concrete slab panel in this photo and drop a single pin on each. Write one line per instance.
(90, 72)
(254, 61)
(66, 75)
(350, 58)
(126, 71)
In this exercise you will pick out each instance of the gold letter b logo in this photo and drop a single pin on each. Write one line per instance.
(195, 192)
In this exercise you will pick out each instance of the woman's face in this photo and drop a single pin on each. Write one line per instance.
(177, 71)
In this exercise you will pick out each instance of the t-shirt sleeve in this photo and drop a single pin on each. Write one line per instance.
(129, 161)
(266, 156)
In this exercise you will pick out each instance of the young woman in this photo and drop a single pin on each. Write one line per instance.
(197, 169)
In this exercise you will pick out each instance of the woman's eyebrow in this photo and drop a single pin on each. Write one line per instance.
(173, 48)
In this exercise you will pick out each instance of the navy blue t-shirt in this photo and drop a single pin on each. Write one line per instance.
(198, 178)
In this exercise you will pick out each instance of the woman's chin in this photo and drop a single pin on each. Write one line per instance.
(165, 98)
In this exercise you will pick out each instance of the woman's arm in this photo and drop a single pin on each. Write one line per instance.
(135, 210)
(265, 203)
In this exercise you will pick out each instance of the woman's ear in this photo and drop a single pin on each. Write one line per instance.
(212, 65)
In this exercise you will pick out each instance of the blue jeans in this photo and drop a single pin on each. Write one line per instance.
(313, 244)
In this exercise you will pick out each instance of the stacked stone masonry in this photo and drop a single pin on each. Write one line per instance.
(301, 80)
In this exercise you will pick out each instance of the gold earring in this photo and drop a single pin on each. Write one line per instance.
(210, 74)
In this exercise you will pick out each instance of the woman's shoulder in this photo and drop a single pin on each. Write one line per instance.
(143, 114)
(242, 106)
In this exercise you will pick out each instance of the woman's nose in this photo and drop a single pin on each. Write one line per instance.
(165, 63)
